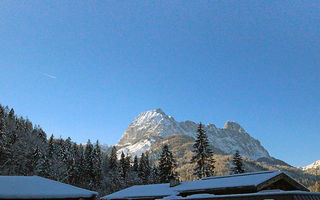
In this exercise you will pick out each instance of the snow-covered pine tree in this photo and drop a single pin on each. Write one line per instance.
(135, 164)
(68, 160)
(44, 167)
(203, 157)
(80, 163)
(123, 166)
(134, 175)
(32, 161)
(155, 175)
(144, 169)
(88, 164)
(128, 162)
(167, 165)
(125, 170)
(3, 139)
(237, 164)
(114, 182)
(97, 166)
(113, 160)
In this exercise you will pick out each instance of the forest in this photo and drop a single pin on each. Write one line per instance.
(26, 150)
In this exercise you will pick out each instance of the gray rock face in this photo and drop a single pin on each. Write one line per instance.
(151, 126)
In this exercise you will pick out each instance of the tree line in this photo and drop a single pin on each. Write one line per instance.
(25, 150)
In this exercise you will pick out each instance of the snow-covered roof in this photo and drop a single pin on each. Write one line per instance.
(264, 193)
(140, 191)
(253, 179)
(35, 187)
(228, 181)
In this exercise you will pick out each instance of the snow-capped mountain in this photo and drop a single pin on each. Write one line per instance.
(313, 165)
(152, 126)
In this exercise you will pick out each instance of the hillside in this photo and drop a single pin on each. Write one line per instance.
(181, 146)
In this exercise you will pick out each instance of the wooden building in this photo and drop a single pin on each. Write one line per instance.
(257, 185)
(35, 187)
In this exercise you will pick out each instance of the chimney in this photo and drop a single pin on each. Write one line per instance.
(174, 182)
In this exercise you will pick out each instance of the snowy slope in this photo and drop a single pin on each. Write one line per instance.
(152, 126)
(313, 165)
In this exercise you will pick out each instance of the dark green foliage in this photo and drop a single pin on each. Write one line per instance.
(203, 155)
(113, 159)
(167, 165)
(237, 163)
(135, 164)
(124, 166)
(144, 169)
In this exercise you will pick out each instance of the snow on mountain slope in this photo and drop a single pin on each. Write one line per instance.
(152, 126)
(312, 165)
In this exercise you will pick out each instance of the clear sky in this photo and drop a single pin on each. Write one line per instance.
(85, 69)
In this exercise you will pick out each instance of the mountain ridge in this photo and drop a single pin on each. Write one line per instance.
(151, 126)
(313, 165)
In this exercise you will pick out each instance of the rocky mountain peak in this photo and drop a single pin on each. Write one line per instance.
(152, 126)
(313, 165)
(160, 111)
(233, 126)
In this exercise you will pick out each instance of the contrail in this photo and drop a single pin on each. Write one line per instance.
(49, 76)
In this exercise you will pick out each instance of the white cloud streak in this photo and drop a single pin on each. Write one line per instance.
(49, 76)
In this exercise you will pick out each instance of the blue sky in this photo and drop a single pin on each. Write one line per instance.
(85, 69)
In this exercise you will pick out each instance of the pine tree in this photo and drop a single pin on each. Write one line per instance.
(128, 162)
(97, 166)
(135, 164)
(51, 147)
(167, 165)
(4, 151)
(144, 169)
(203, 157)
(155, 175)
(113, 160)
(32, 161)
(88, 164)
(44, 167)
(237, 163)
(114, 183)
(81, 167)
(123, 170)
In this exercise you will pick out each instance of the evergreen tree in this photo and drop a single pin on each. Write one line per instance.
(51, 149)
(144, 169)
(113, 160)
(32, 161)
(88, 164)
(123, 169)
(81, 166)
(155, 175)
(115, 183)
(203, 157)
(237, 163)
(3, 138)
(167, 165)
(126, 175)
(135, 166)
(97, 165)
(128, 162)
(44, 167)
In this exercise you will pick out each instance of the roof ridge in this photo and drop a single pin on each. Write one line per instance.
(237, 175)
